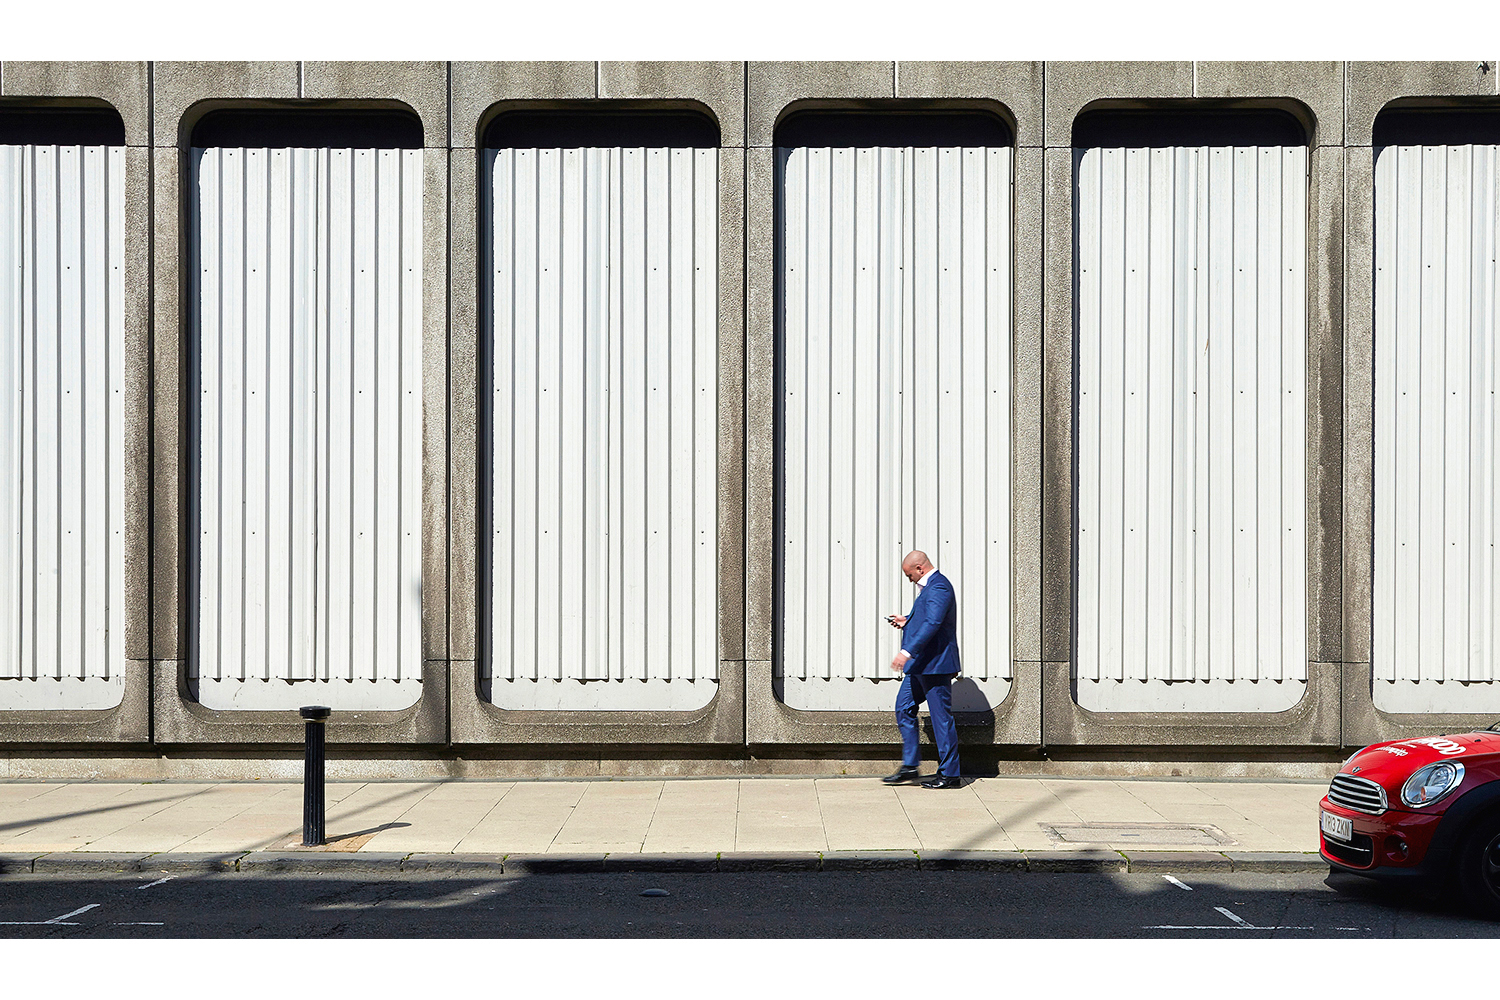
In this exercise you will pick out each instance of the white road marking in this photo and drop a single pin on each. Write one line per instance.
(139, 923)
(1231, 916)
(1178, 883)
(157, 882)
(1223, 927)
(1240, 924)
(63, 920)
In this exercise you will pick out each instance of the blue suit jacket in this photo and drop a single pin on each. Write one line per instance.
(931, 632)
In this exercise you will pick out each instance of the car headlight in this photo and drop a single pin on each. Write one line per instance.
(1431, 783)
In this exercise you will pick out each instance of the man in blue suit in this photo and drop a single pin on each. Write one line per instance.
(928, 662)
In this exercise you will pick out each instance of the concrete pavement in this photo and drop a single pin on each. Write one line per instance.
(1041, 823)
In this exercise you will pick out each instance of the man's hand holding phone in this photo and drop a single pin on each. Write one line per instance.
(896, 621)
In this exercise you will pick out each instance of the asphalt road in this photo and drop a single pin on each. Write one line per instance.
(804, 904)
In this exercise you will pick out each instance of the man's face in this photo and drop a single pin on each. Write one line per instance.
(913, 570)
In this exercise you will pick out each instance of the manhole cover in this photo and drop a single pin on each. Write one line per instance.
(1188, 834)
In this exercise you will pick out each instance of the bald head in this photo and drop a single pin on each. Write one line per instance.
(915, 565)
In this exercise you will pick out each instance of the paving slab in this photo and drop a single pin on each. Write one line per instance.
(693, 815)
(527, 819)
(270, 815)
(609, 817)
(860, 816)
(440, 820)
(80, 815)
(779, 814)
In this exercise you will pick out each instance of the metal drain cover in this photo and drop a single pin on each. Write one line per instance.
(1176, 834)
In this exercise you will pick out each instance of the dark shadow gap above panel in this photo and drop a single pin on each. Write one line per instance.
(568, 129)
(1437, 127)
(61, 127)
(1150, 127)
(865, 128)
(309, 128)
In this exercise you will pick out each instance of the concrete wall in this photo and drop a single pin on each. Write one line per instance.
(160, 102)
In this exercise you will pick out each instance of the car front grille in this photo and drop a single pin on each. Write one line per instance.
(1358, 853)
(1359, 794)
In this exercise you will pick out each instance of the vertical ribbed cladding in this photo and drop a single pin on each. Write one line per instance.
(896, 368)
(61, 443)
(1435, 595)
(1191, 407)
(604, 422)
(309, 425)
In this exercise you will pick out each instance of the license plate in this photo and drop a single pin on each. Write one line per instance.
(1337, 827)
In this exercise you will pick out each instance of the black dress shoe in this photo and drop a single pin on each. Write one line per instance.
(903, 775)
(943, 781)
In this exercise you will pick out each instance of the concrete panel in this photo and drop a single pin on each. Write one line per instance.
(1319, 85)
(179, 86)
(731, 419)
(1325, 423)
(125, 85)
(1313, 721)
(1057, 408)
(720, 85)
(771, 86)
(1364, 724)
(1358, 288)
(127, 722)
(1026, 409)
(476, 721)
(421, 85)
(463, 407)
(1015, 721)
(1072, 85)
(167, 438)
(477, 85)
(1017, 85)
(760, 400)
(137, 404)
(178, 718)
(435, 405)
(1374, 84)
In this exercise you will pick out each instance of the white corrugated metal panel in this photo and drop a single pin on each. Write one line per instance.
(896, 371)
(1436, 601)
(62, 255)
(605, 409)
(309, 269)
(1192, 427)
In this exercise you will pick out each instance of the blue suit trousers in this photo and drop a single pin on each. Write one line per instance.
(933, 689)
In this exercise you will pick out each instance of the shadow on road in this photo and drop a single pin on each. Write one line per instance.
(734, 905)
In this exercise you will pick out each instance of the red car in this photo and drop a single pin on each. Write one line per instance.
(1425, 810)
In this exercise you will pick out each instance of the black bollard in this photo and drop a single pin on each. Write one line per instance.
(312, 776)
